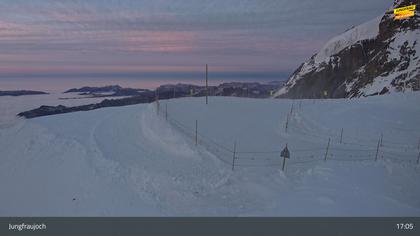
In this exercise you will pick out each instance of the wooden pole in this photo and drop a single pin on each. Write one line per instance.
(328, 148)
(287, 123)
(341, 136)
(157, 102)
(377, 150)
(234, 156)
(196, 132)
(207, 85)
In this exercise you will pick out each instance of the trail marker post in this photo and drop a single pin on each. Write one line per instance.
(328, 148)
(341, 136)
(234, 156)
(285, 154)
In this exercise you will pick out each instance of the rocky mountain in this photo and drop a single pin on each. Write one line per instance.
(378, 57)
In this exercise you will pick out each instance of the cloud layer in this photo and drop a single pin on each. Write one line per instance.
(128, 36)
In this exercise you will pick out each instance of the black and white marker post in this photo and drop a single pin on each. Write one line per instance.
(285, 154)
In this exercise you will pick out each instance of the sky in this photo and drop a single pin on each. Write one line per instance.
(170, 38)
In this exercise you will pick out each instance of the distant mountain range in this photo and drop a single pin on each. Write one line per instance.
(20, 93)
(238, 89)
(168, 91)
(378, 57)
(106, 91)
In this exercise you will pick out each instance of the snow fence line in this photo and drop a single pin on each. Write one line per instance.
(273, 158)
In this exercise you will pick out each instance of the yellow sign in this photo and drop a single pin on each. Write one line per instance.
(405, 15)
(400, 10)
(404, 12)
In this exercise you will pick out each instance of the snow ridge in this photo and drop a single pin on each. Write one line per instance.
(367, 30)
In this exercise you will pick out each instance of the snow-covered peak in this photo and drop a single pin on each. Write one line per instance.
(374, 58)
(367, 30)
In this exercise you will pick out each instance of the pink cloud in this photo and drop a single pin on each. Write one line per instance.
(157, 41)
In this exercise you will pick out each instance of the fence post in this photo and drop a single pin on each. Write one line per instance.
(234, 156)
(328, 148)
(291, 109)
(157, 101)
(382, 136)
(377, 150)
(341, 136)
(418, 158)
(166, 111)
(418, 145)
(196, 132)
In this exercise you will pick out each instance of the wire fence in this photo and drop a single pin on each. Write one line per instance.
(341, 151)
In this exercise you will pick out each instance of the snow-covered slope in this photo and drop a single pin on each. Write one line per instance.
(129, 161)
(378, 57)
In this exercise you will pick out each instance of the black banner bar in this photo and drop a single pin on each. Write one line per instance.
(213, 226)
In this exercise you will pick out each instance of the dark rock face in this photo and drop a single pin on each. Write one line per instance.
(147, 97)
(386, 63)
(21, 93)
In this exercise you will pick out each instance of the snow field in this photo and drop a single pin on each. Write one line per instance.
(128, 161)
